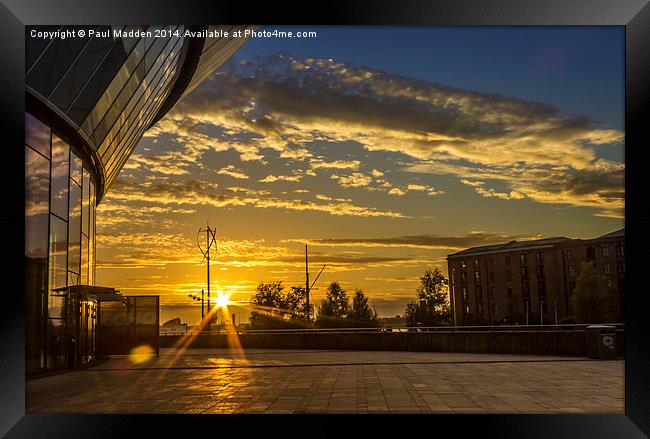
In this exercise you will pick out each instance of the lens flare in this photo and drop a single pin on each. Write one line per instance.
(222, 300)
(141, 354)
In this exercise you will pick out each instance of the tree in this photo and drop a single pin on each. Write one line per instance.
(273, 308)
(334, 308)
(432, 307)
(269, 295)
(590, 298)
(296, 303)
(336, 302)
(360, 313)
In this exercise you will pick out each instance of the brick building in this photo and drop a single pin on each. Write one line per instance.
(531, 281)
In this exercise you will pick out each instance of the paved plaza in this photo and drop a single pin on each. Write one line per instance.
(307, 381)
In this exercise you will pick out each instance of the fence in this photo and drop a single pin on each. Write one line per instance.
(540, 340)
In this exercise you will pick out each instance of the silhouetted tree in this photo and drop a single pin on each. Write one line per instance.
(334, 308)
(296, 303)
(590, 298)
(432, 307)
(276, 309)
(269, 295)
(360, 313)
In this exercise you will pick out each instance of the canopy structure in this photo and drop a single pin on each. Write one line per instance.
(92, 292)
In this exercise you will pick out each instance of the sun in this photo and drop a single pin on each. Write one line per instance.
(222, 300)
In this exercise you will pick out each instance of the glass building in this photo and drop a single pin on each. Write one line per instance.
(89, 101)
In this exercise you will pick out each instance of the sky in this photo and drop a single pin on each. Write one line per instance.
(382, 148)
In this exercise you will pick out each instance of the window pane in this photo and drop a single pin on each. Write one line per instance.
(37, 198)
(91, 236)
(85, 193)
(80, 72)
(75, 168)
(37, 195)
(57, 263)
(53, 64)
(74, 229)
(60, 167)
(101, 79)
(84, 260)
(37, 135)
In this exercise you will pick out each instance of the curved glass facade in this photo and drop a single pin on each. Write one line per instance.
(89, 102)
(59, 238)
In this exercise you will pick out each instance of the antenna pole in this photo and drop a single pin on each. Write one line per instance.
(207, 241)
(307, 282)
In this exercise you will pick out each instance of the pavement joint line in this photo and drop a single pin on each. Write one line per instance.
(256, 366)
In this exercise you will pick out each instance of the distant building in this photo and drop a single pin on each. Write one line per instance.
(532, 281)
(173, 326)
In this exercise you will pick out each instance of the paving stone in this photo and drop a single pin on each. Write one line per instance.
(300, 381)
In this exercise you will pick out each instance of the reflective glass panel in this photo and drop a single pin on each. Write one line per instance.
(60, 167)
(85, 204)
(75, 168)
(37, 198)
(74, 228)
(91, 236)
(37, 135)
(57, 263)
(84, 260)
(83, 68)
(54, 62)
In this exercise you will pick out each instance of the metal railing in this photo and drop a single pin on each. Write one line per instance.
(404, 329)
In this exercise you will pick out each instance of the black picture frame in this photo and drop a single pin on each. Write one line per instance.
(633, 14)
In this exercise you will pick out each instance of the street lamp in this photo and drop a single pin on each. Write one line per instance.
(198, 299)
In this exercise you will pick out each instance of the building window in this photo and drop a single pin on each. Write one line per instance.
(540, 271)
(606, 268)
(572, 271)
(619, 250)
(495, 309)
(569, 255)
(463, 264)
(508, 275)
(476, 263)
(509, 290)
(466, 309)
(464, 290)
(477, 276)
(491, 276)
(541, 289)
(524, 272)
(463, 277)
(480, 308)
(540, 258)
(508, 260)
(605, 252)
(479, 293)
(522, 259)
(60, 180)
(525, 289)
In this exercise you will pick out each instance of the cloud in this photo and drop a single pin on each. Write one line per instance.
(195, 192)
(492, 193)
(233, 172)
(273, 178)
(336, 164)
(472, 239)
(356, 179)
(284, 103)
(396, 191)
